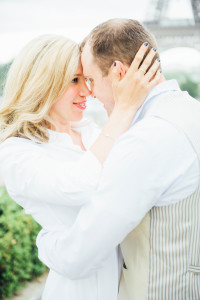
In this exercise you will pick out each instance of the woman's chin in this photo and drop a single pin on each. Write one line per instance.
(77, 118)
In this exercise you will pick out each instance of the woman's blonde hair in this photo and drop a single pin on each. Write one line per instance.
(37, 77)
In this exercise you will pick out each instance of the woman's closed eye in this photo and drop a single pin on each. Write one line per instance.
(75, 80)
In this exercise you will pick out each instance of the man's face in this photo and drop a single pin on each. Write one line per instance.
(100, 86)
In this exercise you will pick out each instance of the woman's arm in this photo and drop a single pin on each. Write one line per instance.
(129, 92)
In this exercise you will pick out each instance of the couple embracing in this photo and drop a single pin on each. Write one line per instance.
(119, 208)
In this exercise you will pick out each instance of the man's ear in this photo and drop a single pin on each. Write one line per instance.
(122, 69)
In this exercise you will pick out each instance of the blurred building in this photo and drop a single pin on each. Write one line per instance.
(174, 32)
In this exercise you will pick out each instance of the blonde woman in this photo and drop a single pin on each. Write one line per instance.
(50, 157)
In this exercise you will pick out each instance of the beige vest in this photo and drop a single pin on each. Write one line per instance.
(162, 254)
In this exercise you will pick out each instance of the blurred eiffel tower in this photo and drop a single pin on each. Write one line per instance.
(178, 32)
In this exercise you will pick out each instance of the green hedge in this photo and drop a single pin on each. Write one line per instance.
(18, 253)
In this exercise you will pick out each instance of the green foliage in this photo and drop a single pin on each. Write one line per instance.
(18, 254)
(3, 74)
(188, 82)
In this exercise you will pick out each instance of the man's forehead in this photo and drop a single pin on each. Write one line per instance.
(86, 48)
(86, 55)
(87, 61)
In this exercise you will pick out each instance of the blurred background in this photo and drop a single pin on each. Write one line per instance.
(176, 26)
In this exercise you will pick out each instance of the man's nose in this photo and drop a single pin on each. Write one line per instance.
(92, 91)
(85, 91)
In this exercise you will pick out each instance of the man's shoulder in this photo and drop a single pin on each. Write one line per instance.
(154, 122)
(152, 136)
(178, 111)
(178, 102)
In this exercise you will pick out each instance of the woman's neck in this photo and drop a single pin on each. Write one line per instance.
(66, 128)
(62, 128)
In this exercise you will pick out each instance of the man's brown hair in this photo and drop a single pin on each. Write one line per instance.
(117, 39)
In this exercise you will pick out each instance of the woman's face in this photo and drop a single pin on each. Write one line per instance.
(70, 106)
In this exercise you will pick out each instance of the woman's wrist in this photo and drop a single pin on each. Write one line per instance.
(125, 109)
(119, 121)
(123, 113)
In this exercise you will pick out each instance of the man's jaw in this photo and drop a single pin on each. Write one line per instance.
(109, 109)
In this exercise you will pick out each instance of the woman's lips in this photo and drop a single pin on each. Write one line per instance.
(80, 105)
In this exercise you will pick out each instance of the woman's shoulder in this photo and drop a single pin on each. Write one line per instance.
(17, 141)
(17, 151)
(18, 144)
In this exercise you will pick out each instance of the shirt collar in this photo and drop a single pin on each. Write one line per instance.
(166, 86)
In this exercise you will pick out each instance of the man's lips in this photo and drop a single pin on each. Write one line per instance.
(80, 105)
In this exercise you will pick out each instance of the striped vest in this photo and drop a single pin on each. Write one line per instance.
(162, 254)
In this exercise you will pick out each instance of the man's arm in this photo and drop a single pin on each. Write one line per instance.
(151, 163)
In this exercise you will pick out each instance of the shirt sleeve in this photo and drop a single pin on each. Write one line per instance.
(145, 166)
(29, 173)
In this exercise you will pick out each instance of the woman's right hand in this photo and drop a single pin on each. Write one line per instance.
(131, 90)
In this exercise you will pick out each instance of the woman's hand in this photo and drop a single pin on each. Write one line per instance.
(131, 91)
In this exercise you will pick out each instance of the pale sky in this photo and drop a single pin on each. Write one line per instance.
(21, 20)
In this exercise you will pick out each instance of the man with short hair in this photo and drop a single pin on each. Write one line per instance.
(148, 195)
(114, 40)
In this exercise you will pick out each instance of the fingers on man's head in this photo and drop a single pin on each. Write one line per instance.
(153, 69)
(139, 57)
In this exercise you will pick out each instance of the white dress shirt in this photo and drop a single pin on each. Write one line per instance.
(152, 164)
(51, 182)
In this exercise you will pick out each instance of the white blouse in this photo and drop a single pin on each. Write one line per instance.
(51, 182)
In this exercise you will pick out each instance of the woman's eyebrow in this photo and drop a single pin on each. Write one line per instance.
(78, 74)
